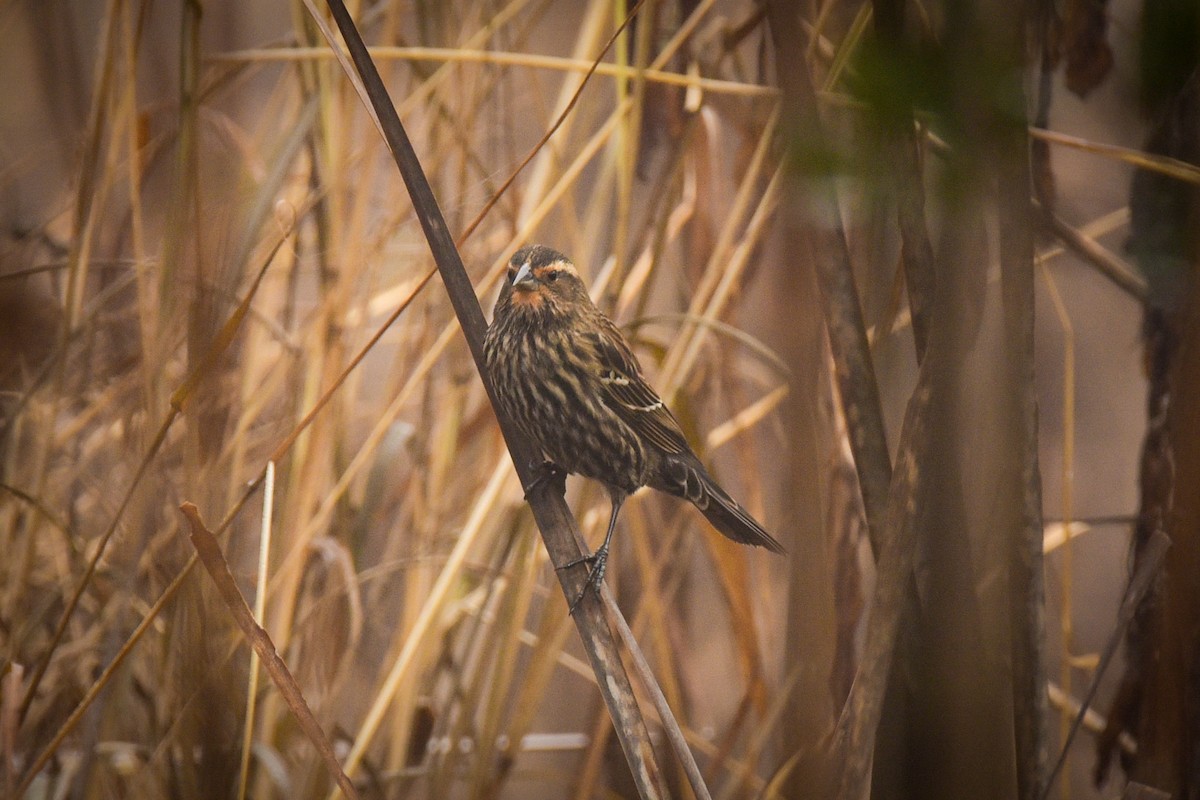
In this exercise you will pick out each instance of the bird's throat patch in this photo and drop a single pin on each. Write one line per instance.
(532, 300)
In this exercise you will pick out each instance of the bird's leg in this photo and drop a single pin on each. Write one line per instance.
(547, 471)
(599, 559)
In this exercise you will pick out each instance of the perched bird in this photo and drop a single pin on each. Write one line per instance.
(565, 375)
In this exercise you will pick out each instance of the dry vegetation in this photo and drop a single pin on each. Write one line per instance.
(214, 291)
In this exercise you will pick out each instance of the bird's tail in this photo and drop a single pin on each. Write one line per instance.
(727, 516)
(692, 482)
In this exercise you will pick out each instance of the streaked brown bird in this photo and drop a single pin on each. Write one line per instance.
(565, 375)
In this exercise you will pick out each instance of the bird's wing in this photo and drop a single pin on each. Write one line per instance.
(627, 393)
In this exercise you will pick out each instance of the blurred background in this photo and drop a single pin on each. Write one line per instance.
(158, 158)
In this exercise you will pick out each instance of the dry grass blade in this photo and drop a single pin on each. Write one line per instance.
(1067, 567)
(467, 56)
(1105, 262)
(433, 605)
(280, 451)
(210, 555)
(84, 221)
(260, 602)
(747, 418)
(1138, 158)
(704, 303)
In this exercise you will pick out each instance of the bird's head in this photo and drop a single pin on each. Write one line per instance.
(541, 282)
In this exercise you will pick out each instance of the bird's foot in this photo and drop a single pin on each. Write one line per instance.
(547, 471)
(598, 561)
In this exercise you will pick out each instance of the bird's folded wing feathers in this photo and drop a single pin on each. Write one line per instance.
(627, 393)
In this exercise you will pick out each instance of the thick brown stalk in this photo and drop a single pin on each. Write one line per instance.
(854, 371)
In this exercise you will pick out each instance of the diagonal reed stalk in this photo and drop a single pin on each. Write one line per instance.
(562, 540)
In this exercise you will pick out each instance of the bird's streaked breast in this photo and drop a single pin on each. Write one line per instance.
(547, 381)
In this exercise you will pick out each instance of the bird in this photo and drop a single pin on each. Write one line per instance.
(564, 374)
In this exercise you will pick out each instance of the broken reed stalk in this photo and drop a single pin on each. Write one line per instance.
(213, 560)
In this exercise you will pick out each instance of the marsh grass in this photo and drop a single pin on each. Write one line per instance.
(230, 276)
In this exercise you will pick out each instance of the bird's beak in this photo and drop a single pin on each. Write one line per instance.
(524, 278)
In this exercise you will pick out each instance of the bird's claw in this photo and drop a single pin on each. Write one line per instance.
(547, 471)
(598, 561)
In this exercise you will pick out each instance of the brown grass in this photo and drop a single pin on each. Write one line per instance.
(219, 271)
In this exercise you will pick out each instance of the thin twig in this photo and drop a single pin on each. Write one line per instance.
(666, 717)
(1105, 262)
(1155, 550)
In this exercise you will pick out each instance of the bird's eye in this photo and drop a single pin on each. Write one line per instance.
(551, 277)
